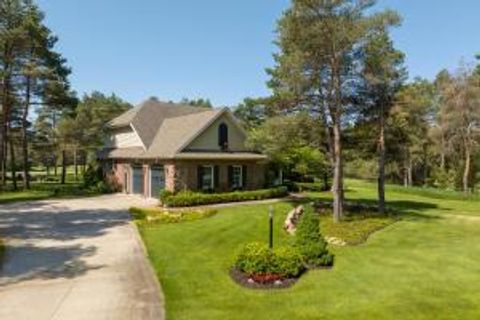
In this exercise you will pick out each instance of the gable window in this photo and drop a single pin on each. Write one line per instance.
(207, 178)
(237, 177)
(223, 136)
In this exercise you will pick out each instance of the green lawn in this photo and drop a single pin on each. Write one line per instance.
(425, 266)
(46, 190)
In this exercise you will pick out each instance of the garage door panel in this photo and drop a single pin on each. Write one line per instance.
(157, 178)
(137, 181)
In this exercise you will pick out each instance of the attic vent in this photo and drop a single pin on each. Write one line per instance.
(223, 136)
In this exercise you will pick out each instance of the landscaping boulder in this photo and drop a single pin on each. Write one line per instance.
(292, 219)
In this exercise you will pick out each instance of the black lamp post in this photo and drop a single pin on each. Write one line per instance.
(270, 218)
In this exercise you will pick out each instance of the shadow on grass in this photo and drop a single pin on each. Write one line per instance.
(398, 208)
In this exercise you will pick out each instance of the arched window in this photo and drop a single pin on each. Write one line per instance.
(223, 136)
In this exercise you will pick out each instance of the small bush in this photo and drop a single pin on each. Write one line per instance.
(92, 176)
(310, 242)
(288, 262)
(257, 259)
(189, 198)
(164, 195)
(102, 187)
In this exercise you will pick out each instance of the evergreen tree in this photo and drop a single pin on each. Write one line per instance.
(317, 67)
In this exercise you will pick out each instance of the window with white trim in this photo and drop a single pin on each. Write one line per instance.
(237, 177)
(207, 178)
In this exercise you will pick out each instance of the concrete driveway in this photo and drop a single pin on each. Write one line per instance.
(75, 259)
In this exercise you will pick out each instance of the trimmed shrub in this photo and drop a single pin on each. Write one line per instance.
(288, 262)
(257, 259)
(189, 198)
(310, 242)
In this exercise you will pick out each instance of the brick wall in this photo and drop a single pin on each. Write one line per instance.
(183, 175)
(186, 172)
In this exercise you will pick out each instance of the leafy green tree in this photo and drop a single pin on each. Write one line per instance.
(30, 70)
(11, 45)
(383, 75)
(461, 108)
(293, 144)
(408, 127)
(317, 67)
(92, 114)
(253, 112)
(477, 70)
(203, 103)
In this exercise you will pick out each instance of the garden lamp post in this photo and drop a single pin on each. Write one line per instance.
(270, 218)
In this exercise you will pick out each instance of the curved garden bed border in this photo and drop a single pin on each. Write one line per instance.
(245, 281)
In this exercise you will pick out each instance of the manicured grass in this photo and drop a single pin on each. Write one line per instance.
(46, 190)
(423, 267)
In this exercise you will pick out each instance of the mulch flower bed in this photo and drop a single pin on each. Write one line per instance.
(268, 281)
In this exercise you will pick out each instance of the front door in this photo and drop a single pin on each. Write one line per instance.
(157, 180)
(137, 183)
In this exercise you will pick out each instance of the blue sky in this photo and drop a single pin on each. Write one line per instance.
(219, 49)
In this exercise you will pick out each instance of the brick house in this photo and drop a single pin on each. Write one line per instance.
(160, 145)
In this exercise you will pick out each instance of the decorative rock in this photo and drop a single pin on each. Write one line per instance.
(335, 241)
(292, 220)
(250, 280)
(278, 282)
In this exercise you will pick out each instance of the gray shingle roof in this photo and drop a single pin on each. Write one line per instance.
(165, 128)
(122, 153)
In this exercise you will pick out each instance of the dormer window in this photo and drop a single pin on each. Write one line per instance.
(223, 136)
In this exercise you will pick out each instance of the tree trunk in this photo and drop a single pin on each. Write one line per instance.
(55, 172)
(442, 154)
(328, 134)
(410, 173)
(3, 158)
(381, 163)
(26, 179)
(337, 188)
(466, 172)
(12, 163)
(6, 106)
(64, 166)
(84, 161)
(75, 162)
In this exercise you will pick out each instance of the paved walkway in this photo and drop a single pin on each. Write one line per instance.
(75, 259)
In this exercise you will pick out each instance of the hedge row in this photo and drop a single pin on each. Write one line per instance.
(189, 198)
